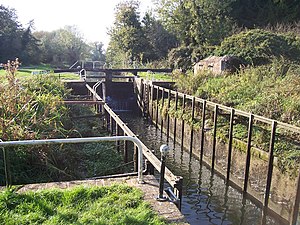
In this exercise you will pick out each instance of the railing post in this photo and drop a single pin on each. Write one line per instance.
(178, 190)
(107, 120)
(150, 167)
(6, 167)
(168, 116)
(202, 130)
(192, 125)
(111, 125)
(161, 115)
(175, 119)
(125, 151)
(164, 149)
(148, 99)
(270, 168)
(135, 158)
(152, 93)
(213, 159)
(118, 134)
(182, 121)
(142, 97)
(230, 136)
(248, 157)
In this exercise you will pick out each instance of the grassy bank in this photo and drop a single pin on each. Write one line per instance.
(270, 90)
(32, 108)
(117, 204)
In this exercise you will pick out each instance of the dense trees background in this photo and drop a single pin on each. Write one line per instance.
(177, 33)
(15, 41)
(61, 47)
(201, 25)
(135, 41)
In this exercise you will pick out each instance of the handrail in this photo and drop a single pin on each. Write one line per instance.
(71, 67)
(135, 140)
(170, 177)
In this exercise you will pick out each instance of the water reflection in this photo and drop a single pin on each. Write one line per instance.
(206, 197)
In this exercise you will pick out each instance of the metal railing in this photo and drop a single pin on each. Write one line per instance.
(174, 181)
(159, 96)
(135, 140)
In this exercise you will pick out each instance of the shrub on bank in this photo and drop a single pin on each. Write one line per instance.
(259, 47)
(32, 108)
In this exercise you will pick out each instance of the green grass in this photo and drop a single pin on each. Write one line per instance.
(156, 76)
(26, 73)
(117, 204)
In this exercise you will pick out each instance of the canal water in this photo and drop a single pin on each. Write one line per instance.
(206, 197)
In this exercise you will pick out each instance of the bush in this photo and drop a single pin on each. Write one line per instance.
(259, 47)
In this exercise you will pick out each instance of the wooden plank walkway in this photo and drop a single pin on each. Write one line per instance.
(150, 188)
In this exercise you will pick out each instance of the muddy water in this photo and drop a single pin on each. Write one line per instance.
(206, 197)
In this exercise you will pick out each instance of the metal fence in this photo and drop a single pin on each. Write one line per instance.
(153, 98)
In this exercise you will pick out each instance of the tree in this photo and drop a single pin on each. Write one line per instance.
(196, 22)
(97, 51)
(30, 51)
(160, 40)
(127, 39)
(63, 46)
(259, 13)
(15, 41)
(258, 46)
(198, 25)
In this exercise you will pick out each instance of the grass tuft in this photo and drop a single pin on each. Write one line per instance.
(116, 204)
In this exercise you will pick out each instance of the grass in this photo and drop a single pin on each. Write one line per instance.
(117, 204)
(26, 73)
(157, 76)
(31, 108)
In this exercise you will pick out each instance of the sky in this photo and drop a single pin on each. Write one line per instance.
(93, 18)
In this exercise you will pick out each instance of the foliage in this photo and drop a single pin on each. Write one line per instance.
(269, 90)
(257, 13)
(201, 25)
(33, 109)
(196, 22)
(259, 46)
(156, 76)
(62, 46)
(198, 25)
(15, 41)
(27, 106)
(134, 42)
(183, 57)
(127, 36)
(58, 47)
(161, 40)
(188, 82)
(97, 51)
(117, 204)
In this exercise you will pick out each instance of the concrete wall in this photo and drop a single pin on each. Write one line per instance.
(218, 65)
